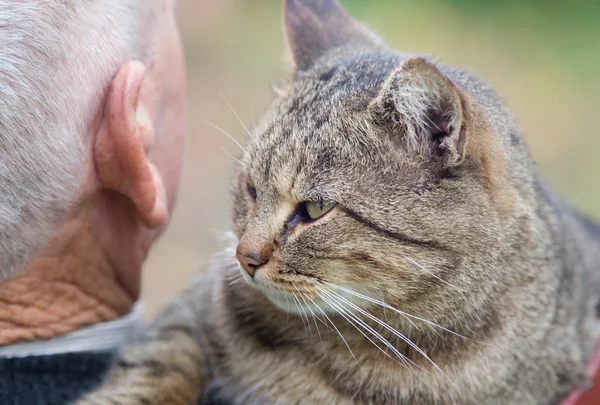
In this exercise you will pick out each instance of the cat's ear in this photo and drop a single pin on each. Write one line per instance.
(425, 110)
(315, 27)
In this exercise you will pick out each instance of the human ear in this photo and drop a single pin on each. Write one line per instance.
(123, 145)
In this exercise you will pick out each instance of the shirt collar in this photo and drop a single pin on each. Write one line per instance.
(105, 336)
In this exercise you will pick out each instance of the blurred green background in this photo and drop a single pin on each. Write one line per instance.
(543, 56)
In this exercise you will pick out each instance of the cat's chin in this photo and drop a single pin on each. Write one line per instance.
(289, 304)
(282, 303)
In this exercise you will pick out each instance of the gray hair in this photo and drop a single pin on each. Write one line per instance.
(57, 59)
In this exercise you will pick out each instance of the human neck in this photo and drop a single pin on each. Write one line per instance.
(71, 284)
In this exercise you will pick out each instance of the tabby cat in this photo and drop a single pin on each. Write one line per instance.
(396, 246)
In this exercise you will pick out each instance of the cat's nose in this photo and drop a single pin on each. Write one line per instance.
(250, 260)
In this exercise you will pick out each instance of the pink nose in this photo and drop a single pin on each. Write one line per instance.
(250, 261)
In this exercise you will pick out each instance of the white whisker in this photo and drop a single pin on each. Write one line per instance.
(404, 314)
(236, 114)
(386, 326)
(314, 317)
(304, 311)
(353, 320)
(287, 301)
(233, 276)
(319, 308)
(210, 124)
(398, 334)
(426, 270)
(300, 311)
(231, 156)
(232, 282)
(341, 336)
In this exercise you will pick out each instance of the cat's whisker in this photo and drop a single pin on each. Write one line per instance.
(352, 320)
(304, 311)
(232, 271)
(315, 321)
(236, 114)
(297, 305)
(230, 155)
(232, 282)
(340, 335)
(287, 302)
(319, 308)
(228, 274)
(300, 312)
(404, 314)
(399, 335)
(386, 326)
(375, 301)
(385, 315)
(224, 260)
(233, 279)
(230, 277)
(210, 124)
(432, 274)
(278, 89)
(390, 346)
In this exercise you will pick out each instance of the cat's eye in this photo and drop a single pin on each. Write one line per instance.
(316, 209)
(251, 191)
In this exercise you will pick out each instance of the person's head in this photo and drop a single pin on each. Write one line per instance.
(91, 122)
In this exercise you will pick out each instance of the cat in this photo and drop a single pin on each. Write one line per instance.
(395, 245)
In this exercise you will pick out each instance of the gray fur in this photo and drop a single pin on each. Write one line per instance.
(441, 214)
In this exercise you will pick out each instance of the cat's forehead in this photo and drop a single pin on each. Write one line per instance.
(293, 151)
(324, 102)
(345, 84)
(319, 130)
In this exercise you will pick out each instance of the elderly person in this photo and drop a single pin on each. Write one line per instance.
(91, 136)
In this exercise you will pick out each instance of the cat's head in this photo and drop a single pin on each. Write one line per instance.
(373, 172)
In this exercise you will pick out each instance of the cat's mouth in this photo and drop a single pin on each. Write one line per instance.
(291, 293)
(300, 294)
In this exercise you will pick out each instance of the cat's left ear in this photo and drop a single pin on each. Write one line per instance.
(315, 28)
(425, 111)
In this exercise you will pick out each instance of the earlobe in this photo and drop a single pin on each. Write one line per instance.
(122, 146)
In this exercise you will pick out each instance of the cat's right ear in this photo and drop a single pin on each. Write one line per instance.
(314, 28)
(424, 111)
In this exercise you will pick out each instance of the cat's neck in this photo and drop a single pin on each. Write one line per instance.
(355, 345)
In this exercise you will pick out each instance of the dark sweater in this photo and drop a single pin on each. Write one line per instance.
(51, 380)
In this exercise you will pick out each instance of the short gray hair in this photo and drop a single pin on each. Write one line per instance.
(57, 59)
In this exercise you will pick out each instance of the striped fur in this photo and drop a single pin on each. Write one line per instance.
(446, 274)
